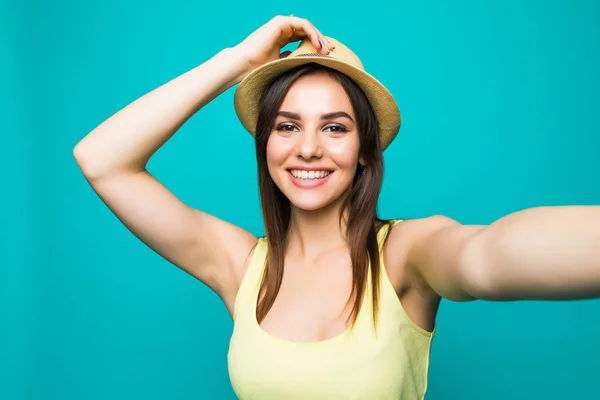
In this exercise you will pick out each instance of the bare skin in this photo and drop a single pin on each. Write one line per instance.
(113, 159)
(426, 259)
(312, 302)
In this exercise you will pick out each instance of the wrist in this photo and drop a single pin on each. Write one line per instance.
(235, 62)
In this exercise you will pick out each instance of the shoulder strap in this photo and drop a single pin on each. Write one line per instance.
(247, 295)
(384, 230)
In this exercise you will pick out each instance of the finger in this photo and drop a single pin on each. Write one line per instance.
(299, 34)
(326, 42)
(301, 24)
(296, 37)
(325, 46)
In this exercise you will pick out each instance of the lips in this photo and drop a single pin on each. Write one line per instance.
(309, 183)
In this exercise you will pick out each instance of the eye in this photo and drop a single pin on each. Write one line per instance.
(337, 128)
(285, 127)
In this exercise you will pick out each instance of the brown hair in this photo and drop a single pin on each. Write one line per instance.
(361, 203)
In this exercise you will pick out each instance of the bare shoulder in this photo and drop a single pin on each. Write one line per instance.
(404, 237)
(418, 299)
(434, 256)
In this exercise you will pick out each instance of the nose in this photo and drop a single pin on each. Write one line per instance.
(309, 146)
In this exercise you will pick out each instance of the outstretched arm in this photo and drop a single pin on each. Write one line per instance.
(545, 253)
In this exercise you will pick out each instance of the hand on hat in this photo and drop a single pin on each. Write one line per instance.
(264, 44)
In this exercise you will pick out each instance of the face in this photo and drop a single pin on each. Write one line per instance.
(313, 148)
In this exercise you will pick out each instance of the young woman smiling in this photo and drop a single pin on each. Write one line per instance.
(334, 303)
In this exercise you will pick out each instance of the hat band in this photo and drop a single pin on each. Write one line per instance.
(314, 55)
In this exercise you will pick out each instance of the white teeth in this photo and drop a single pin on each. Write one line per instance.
(303, 174)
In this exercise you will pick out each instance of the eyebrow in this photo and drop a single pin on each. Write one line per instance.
(336, 114)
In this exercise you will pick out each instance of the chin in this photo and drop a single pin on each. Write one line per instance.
(309, 204)
(314, 199)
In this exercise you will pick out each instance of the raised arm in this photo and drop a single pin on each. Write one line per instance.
(542, 253)
(113, 159)
(114, 155)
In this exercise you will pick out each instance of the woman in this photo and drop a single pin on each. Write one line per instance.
(333, 302)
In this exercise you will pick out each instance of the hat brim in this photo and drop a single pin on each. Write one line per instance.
(249, 92)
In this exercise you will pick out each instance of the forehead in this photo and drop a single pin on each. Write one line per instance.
(316, 94)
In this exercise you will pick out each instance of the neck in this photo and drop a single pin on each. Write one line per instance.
(313, 232)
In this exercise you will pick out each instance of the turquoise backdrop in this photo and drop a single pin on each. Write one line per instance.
(500, 104)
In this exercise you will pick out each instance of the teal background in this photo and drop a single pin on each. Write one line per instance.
(500, 104)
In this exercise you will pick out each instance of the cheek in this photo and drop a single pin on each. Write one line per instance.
(345, 153)
(278, 151)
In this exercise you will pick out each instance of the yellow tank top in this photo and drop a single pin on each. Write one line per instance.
(357, 364)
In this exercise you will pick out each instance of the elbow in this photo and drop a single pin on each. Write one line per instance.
(79, 156)
(89, 164)
(84, 161)
(95, 166)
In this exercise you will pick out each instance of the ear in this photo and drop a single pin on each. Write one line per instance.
(362, 161)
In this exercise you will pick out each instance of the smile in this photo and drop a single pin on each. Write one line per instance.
(303, 174)
(309, 179)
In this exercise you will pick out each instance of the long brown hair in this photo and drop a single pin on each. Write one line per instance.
(361, 203)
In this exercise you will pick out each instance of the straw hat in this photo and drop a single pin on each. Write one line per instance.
(249, 92)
